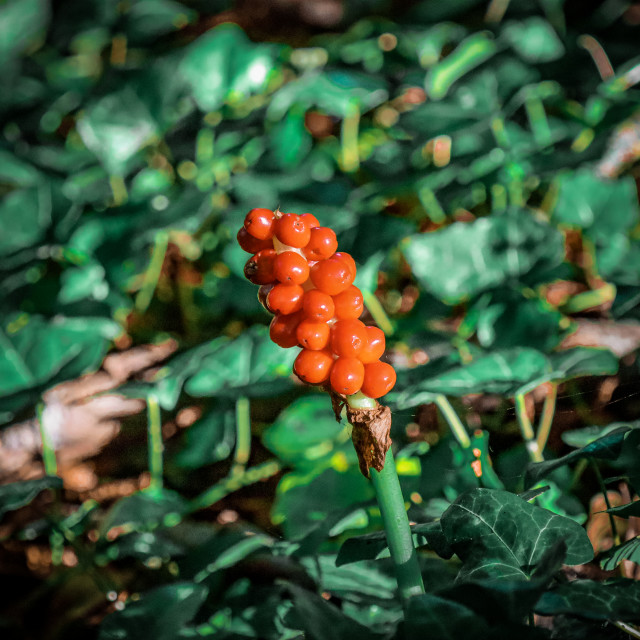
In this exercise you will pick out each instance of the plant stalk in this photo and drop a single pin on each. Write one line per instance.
(154, 443)
(457, 428)
(398, 532)
(546, 419)
(527, 430)
(243, 436)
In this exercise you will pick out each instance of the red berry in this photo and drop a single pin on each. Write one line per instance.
(313, 335)
(285, 298)
(263, 292)
(322, 244)
(251, 244)
(291, 268)
(260, 223)
(318, 306)
(349, 304)
(348, 338)
(259, 269)
(374, 348)
(282, 330)
(347, 375)
(313, 366)
(379, 379)
(292, 230)
(310, 219)
(341, 255)
(331, 276)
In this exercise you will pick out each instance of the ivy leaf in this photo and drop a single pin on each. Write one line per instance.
(629, 550)
(616, 600)
(607, 447)
(160, 613)
(19, 494)
(629, 510)
(496, 534)
(463, 259)
(22, 24)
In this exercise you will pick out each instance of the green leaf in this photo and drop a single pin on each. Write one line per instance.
(371, 546)
(629, 550)
(115, 128)
(224, 550)
(534, 40)
(250, 365)
(430, 616)
(148, 19)
(161, 613)
(305, 432)
(575, 363)
(496, 534)
(499, 372)
(19, 494)
(25, 215)
(463, 259)
(143, 545)
(322, 620)
(209, 439)
(582, 437)
(607, 447)
(224, 66)
(629, 510)
(144, 511)
(23, 24)
(364, 579)
(616, 600)
(305, 499)
(34, 352)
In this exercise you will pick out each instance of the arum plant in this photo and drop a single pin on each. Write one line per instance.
(308, 286)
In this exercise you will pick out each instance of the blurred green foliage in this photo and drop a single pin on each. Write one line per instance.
(472, 163)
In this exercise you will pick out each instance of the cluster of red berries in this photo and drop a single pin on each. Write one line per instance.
(308, 285)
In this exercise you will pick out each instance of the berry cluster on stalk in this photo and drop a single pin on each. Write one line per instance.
(308, 285)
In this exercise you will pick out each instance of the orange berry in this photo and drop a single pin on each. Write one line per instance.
(331, 276)
(379, 379)
(348, 338)
(285, 298)
(349, 304)
(347, 375)
(322, 244)
(251, 244)
(318, 306)
(374, 348)
(341, 255)
(290, 268)
(313, 335)
(260, 223)
(282, 330)
(259, 268)
(313, 367)
(310, 219)
(292, 230)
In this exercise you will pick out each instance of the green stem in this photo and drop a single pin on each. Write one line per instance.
(457, 428)
(627, 628)
(154, 442)
(377, 312)
(527, 430)
(233, 483)
(152, 274)
(398, 532)
(349, 136)
(48, 450)
(243, 436)
(546, 419)
(605, 495)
